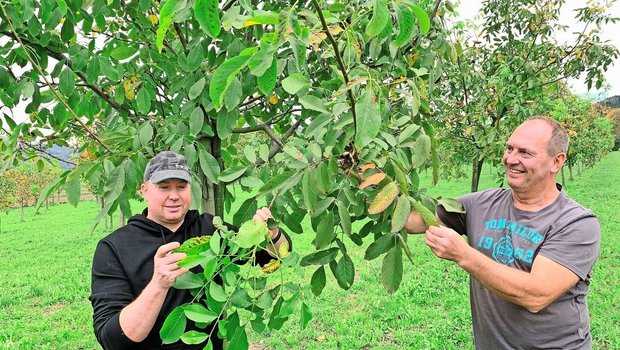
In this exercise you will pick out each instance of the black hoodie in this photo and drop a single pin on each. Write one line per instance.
(123, 266)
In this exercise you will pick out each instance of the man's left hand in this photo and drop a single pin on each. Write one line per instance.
(446, 243)
(264, 214)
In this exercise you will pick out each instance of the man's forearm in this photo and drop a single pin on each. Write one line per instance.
(137, 319)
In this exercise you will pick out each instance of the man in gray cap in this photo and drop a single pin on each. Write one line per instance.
(134, 267)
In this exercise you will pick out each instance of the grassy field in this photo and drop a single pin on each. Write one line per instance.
(46, 281)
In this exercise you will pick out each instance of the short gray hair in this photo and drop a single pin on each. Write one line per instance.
(559, 138)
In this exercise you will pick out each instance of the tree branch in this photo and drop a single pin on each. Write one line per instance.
(60, 97)
(339, 60)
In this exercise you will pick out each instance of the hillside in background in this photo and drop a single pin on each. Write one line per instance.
(64, 153)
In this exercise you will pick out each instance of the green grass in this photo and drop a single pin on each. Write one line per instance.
(46, 282)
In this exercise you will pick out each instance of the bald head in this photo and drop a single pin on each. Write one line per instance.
(558, 141)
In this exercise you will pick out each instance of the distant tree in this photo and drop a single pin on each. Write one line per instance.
(7, 194)
(510, 64)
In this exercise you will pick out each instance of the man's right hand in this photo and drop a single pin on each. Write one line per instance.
(415, 223)
(166, 270)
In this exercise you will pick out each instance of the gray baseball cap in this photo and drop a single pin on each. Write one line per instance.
(167, 165)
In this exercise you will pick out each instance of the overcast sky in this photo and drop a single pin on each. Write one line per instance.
(471, 8)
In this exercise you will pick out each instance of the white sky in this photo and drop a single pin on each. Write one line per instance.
(470, 8)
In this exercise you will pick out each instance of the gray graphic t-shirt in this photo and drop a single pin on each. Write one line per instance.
(563, 232)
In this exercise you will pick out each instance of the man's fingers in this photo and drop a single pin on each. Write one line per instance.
(262, 214)
(165, 249)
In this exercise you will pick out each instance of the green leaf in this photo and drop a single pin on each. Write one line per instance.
(145, 134)
(427, 215)
(50, 188)
(401, 213)
(392, 269)
(281, 182)
(239, 340)
(199, 313)
(223, 77)
(423, 19)
(209, 165)
(380, 18)
(197, 88)
(320, 258)
(318, 280)
(233, 95)
(308, 189)
(217, 292)
(345, 218)
(210, 267)
(246, 211)
(73, 190)
(345, 272)
(188, 280)
(306, 315)
(226, 121)
(113, 188)
(196, 120)
(67, 31)
(405, 26)
(240, 298)
(451, 205)
(325, 233)
(123, 52)
(194, 337)
(233, 173)
(314, 103)
(207, 14)
(380, 246)
(295, 82)
(251, 233)
(67, 82)
(267, 81)
(261, 62)
(174, 326)
(421, 151)
(368, 119)
(165, 20)
(143, 101)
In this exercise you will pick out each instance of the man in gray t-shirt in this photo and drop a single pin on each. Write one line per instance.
(529, 251)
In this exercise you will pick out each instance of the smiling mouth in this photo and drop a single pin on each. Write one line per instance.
(514, 171)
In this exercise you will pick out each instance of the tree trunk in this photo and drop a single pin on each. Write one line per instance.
(21, 218)
(121, 219)
(475, 173)
(563, 178)
(212, 194)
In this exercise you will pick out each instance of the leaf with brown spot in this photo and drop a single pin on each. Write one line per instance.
(384, 198)
(373, 179)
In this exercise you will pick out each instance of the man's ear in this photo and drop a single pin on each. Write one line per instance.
(558, 161)
(143, 188)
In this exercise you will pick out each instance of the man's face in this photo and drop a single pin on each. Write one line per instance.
(168, 201)
(527, 163)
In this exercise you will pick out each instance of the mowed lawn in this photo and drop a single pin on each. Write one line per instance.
(45, 273)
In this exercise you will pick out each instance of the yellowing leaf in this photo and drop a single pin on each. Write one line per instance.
(335, 30)
(154, 19)
(373, 179)
(130, 94)
(367, 166)
(249, 23)
(315, 39)
(384, 198)
(270, 267)
(468, 131)
(273, 100)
